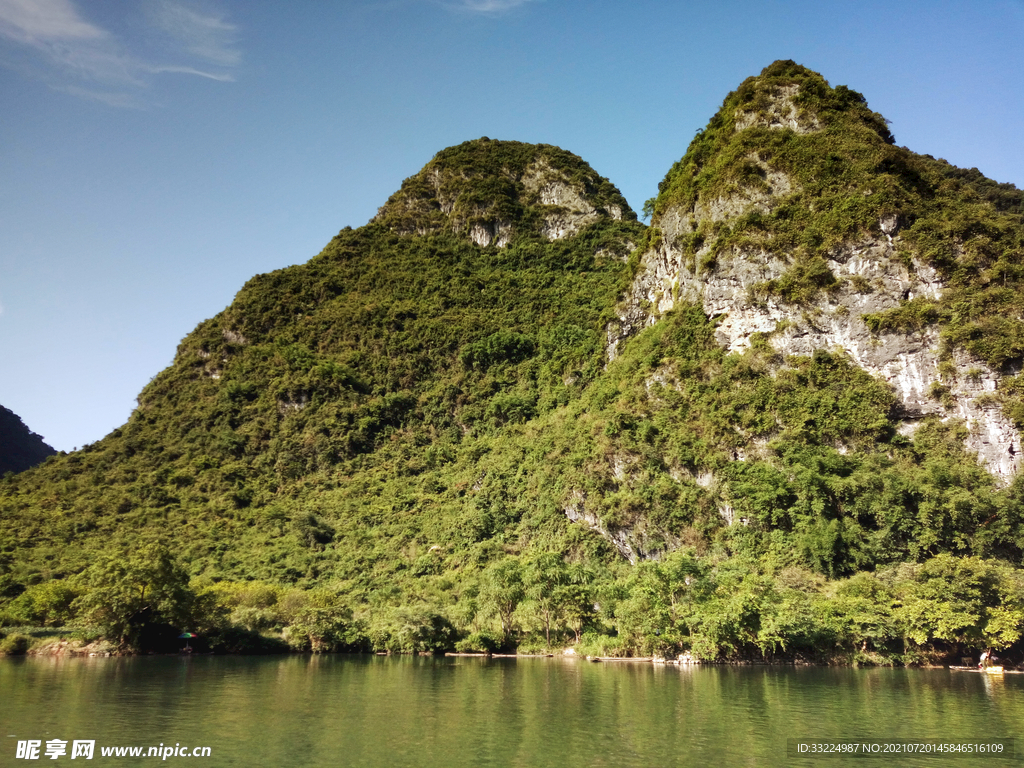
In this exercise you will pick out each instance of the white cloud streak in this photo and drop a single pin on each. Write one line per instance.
(36, 21)
(77, 56)
(490, 6)
(222, 77)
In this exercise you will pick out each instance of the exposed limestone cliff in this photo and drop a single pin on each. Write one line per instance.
(566, 207)
(871, 278)
(779, 110)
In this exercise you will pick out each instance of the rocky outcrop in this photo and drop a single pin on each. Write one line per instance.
(871, 275)
(744, 227)
(778, 110)
(633, 543)
(490, 191)
(485, 233)
(567, 209)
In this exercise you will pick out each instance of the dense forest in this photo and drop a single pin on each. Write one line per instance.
(417, 441)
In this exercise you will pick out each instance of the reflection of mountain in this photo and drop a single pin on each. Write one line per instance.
(20, 447)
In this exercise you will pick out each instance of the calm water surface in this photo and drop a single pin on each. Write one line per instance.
(373, 711)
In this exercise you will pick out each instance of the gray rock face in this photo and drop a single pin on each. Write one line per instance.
(497, 232)
(675, 223)
(781, 112)
(872, 275)
(632, 543)
(572, 211)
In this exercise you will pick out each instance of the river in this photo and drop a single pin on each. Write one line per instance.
(416, 711)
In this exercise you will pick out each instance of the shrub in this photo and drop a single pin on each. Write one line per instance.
(478, 642)
(325, 624)
(412, 630)
(46, 604)
(15, 644)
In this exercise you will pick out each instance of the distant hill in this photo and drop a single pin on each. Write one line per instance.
(20, 447)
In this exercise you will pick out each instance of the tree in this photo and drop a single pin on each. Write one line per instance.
(128, 592)
(960, 600)
(324, 623)
(575, 600)
(48, 604)
(544, 577)
(412, 629)
(503, 590)
(657, 608)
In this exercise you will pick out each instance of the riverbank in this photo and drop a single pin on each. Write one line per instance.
(103, 649)
(79, 642)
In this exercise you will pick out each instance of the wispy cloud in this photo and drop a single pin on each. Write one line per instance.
(37, 21)
(205, 35)
(120, 99)
(490, 6)
(78, 56)
(222, 77)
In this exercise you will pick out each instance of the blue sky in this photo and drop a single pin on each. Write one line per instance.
(155, 154)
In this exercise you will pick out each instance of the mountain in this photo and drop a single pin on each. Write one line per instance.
(785, 417)
(20, 448)
(350, 403)
(794, 217)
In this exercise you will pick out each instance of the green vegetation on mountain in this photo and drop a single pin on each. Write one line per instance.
(838, 156)
(415, 441)
(482, 183)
